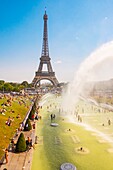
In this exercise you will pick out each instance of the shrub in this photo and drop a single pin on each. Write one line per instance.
(32, 112)
(28, 126)
(21, 144)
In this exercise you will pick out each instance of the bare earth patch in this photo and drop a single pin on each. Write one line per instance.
(102, 141)
(95, 134)
(106, 128)
(69, 130)
(82, 150)
(110, 150)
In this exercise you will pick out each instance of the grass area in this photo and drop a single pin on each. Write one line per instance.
(50, 155)
(7, 132)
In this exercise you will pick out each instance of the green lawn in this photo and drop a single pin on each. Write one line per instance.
(51, 153)
(7, 132)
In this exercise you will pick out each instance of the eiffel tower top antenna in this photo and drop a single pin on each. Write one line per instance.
(45, 9)
(45, 48)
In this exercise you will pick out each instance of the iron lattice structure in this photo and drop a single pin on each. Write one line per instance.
(45, 60)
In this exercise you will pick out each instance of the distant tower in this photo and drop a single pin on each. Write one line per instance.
(45, 59)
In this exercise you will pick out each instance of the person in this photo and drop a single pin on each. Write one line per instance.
(6, 155)
(54, 116)
(109, 122)
(20, 127)
(81, 149)
(51, 117)
(23, 125)
(28, 143)
(36, 117)
(31, 143)
(8, 121)
(36, 139)
(13, 144)
(34, 125)
(33, 117)
(78, 118)
(17, 132)
(18, 116)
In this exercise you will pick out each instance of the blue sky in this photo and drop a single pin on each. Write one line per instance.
(75, 29)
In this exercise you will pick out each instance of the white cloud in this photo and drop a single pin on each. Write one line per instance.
(58, 62)
(105, 18)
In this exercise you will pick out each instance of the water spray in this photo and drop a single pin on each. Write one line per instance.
(96, 67)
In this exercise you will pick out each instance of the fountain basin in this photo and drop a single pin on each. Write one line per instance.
(67, 166)
(54, 124)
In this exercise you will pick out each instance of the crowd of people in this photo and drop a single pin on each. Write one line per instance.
(78, 113)
(8, 112)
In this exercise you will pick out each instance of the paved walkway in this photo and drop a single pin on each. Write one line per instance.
(20, 161)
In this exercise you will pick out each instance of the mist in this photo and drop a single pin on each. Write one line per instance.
(96, 67)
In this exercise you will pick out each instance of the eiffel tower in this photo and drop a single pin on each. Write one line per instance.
(45, 60)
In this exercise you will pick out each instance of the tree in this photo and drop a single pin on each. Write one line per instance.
(11, 86)
(8, 87)
(32, 112)
(21, 87)
(25, 83)
(16, 89)
(21, 144)
(30, 85)
(28, 126)
(2, 82)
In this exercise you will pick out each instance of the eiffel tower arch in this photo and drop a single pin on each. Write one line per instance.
(45, 60)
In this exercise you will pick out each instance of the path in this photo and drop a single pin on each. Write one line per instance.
(20, 161)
